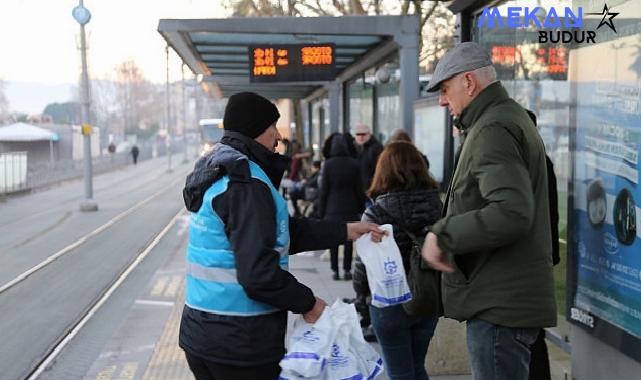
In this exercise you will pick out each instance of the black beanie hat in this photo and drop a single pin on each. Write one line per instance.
(249, 114)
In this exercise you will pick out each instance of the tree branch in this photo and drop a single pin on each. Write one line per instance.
(377, 7)
(428, 14)
(339, 6)
(357, 7)
(319, 11)
(405, 8)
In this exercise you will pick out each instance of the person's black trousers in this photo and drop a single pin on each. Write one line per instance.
(207, 370)
(347, 257)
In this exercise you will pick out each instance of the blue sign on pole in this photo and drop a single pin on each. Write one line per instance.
(81, 14)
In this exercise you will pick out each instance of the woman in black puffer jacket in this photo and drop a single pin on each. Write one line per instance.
(406, 194)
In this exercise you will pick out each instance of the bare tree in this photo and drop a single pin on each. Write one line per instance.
(4, 104)
(437, 36)
(134, 96)
(436, 22)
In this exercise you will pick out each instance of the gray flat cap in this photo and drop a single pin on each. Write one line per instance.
(466, 56)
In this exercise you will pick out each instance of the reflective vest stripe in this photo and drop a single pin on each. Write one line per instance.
(228, 275)
(231, 298)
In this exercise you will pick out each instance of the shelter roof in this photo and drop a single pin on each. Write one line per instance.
(218, 49)
(26, 132)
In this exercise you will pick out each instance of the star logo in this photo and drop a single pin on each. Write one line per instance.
(606, 14)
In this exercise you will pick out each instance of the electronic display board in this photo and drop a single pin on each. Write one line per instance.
(292, 63)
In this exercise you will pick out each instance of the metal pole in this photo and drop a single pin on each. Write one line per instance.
(198, 142)
(51, 160)
(88, 204)
(334, 89)
(13, 173)
(182, 72)
(5, 178)
(168, 142)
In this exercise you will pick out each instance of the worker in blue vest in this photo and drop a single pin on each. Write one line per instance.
(238, 287)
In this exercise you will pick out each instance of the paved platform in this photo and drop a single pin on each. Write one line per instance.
(166, 361)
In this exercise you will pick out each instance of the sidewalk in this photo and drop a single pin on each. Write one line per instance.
(146, 345)
(167, 361)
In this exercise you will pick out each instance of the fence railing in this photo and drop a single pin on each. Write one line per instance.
(13, 172)
(17, 175)
(45, 174)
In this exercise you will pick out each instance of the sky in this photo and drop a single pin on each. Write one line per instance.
(38, 37)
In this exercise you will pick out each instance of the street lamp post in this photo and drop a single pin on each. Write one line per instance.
(82, 16)
(184, 107)
(168, 114)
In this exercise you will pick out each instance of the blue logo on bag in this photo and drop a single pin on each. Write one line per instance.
(336, 351)
(337, 359)
(310, 337)
(390, 266)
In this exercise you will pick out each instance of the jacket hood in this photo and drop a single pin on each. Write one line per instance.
(221, 154)
(273, 164)
(341, 146)
(207, 170)
(230, 157)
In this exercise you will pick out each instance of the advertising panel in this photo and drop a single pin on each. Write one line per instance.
(605, 218)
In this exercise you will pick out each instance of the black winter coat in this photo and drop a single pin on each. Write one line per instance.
(248, 211)
(417, 210)
(342, 196)
(368, 159)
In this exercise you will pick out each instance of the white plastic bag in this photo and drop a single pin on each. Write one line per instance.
(351, 357)
(309, 346)
(385, 271)
(342, 363)
(331, 349)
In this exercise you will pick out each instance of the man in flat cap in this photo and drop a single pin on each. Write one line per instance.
(493, 242)
(238, 288)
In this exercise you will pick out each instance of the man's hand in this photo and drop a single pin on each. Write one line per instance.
(434, 255)
(313, 315)
(356, 230)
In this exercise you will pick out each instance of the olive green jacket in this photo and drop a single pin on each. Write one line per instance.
(496, 225)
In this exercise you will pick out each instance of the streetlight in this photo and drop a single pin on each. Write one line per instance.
(184, 107)
(168, 114)
(82, 16)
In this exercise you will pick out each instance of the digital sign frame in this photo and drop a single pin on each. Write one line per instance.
(292, 63)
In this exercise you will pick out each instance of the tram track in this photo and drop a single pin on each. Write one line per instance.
(75, 327)
(98, 190)
(53, 285)
(83, 239)
(57, 223)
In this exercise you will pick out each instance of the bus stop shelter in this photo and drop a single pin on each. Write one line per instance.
(218, 50)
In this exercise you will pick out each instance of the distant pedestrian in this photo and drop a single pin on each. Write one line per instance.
(342, 196)
(134, 153)
(400, 134)
(494, 242)
(369, 148)
(111, 148)
(238, 287)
